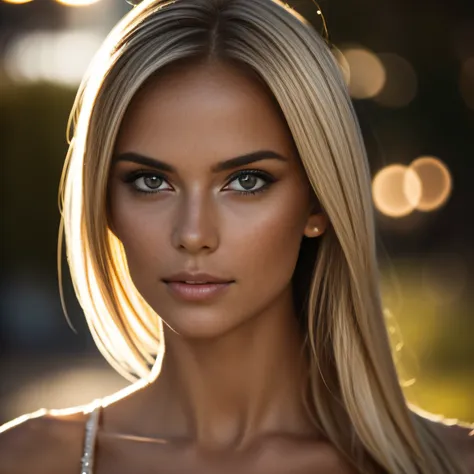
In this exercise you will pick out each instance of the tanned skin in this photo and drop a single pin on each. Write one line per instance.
(228, 398)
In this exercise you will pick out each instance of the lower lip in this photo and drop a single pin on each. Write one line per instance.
(196, 292)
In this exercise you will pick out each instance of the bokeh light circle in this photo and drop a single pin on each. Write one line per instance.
(436, 182)
(396, 190)
(367, 73)
(77, 3)
(17, 2)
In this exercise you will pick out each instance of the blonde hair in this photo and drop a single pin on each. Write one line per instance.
(354, 395)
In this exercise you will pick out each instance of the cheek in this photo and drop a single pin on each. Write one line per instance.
(142, 248)
(265, 250)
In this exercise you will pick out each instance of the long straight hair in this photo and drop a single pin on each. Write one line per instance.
(353, 394)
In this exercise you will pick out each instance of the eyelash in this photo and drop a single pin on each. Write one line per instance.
(135, 175)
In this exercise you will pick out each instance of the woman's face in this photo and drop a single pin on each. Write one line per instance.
(196, 217)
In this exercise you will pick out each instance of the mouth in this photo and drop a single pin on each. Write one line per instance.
(196, 291)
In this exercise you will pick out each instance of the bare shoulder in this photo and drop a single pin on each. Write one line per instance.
(46, 442)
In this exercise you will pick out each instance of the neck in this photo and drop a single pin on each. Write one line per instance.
(228, 391)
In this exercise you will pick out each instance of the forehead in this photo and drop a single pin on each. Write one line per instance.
(207, 110)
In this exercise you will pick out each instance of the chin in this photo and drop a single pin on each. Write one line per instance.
(199, 324)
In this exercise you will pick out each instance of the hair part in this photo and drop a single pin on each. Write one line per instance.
(353, 394)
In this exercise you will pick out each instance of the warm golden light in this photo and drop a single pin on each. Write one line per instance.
(54, 56)
(77, 3)
(65, 388)
(466, 82)
(17, 2)
(401, 82)
(367, 73)
(396, 190)
(435, 180)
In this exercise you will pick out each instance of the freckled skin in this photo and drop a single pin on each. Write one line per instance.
(193, 118)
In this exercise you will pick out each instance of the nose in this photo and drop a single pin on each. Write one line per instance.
(195, 227)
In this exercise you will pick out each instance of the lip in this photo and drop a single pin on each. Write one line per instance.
(196, 277)
(195, 292)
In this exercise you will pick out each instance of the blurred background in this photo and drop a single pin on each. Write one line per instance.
(410, 70)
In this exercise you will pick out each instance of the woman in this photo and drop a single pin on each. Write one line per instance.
(217, 203)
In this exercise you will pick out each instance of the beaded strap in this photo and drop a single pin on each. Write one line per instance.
(92, 427)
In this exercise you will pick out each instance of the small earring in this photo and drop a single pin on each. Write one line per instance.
(316, 229)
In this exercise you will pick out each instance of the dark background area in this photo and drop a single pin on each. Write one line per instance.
(427, 258)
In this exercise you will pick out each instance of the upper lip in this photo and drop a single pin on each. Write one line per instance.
(196, 277)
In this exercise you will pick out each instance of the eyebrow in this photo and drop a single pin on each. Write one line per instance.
(222, 166)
